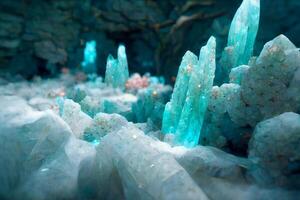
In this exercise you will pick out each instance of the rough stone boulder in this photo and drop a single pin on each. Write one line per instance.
(275, 146)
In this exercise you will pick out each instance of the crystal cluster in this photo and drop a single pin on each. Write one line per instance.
(76, 119)
(269, 86)
(90, 55)
(241, 38)
(116, 74)
(184, 114)
(61, 139)
(150, 104)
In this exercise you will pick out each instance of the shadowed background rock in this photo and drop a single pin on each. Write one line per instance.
(40, 37)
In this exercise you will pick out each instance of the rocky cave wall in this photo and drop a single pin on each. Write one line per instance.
(41, 37)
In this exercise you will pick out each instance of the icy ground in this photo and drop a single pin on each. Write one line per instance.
(44, 155)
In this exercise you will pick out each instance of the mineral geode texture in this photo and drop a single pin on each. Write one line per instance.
(268, 87)
(275, 147)
(271, 85)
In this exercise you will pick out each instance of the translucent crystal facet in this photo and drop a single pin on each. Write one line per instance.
(117, 72)
(111, 71)
(184, 114)
(173, 108)
(123, 64)
(241, 38)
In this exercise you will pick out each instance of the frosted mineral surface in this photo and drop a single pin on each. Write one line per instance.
(102, 125)
(38, 152)
(76, 119)
(275, 145)
(154, 175)
(41, 159)
(267, 87)
(271, 85)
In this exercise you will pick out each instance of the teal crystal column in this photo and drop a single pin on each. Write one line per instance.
(184, 114)
(116, 74)
(123, 65)
(241, 38)
(174, 107)
(111, 72)
(90, 56)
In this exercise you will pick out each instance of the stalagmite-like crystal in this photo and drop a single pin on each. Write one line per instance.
(90, 55)
(117, 73)
(241, 38)
(123, 65)
(111, 71)
(174, 107)
(184, 114)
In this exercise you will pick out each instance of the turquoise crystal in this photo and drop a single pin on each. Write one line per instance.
(151, 104)
(90, 56)
(174, 107)
(116, 74)
(184, 114)
(111, 73)
(123, 65)
(241, 38)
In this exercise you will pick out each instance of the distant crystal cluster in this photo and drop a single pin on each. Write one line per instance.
(229, 129)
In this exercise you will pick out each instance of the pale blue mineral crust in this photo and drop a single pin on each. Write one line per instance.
(90, 55)
(238, 73)
(267, 87)
(184, 114)
(116, 74)
(241, 38)
(275, 145)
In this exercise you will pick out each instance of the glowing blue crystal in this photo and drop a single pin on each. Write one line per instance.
(184, 114)
(174, 107)
(90, 56)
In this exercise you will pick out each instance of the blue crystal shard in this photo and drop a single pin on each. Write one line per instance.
(241, 38)
(184, 114)
(90, 56)
(123, 65)
(111, 72)
(173, 108)
(116, 74)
